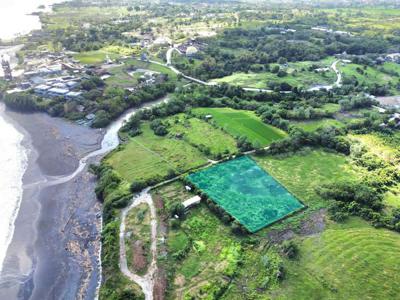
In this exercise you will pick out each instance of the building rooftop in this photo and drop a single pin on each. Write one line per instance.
(42, 87)
(58, 91)
(192, 201)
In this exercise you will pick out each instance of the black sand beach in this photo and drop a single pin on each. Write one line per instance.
(54, 250)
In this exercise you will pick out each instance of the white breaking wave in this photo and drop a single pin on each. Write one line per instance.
(13, 163)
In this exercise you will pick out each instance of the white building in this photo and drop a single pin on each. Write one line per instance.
(191, 202)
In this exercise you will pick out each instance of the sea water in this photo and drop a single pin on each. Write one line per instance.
(13, 163)
(16, 18)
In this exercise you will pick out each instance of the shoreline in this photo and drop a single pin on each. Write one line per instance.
(68, 211)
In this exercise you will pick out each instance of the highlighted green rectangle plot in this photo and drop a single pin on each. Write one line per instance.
(247, 192)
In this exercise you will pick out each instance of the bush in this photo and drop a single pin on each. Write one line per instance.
(137, 186)
(102, 119)
(21, 102)
(290, 249)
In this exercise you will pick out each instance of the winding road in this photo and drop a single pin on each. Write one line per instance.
(147, 281)
(338, 82)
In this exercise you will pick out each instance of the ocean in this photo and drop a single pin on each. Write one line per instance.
(14, 21)
(15, 18)
(13, 163)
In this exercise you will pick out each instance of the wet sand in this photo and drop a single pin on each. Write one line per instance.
(54, 250)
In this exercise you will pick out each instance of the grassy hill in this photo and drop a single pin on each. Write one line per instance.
(350, 261)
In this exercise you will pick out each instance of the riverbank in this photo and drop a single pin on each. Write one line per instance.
(54, 250)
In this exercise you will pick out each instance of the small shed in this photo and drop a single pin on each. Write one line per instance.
(191, 202)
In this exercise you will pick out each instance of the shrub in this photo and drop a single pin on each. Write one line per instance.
(137, 186)
(290, 249)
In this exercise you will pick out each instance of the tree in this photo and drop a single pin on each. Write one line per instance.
(282, 60)
(101, 120)
(177, 209)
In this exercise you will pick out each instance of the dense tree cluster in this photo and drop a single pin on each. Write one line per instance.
(262, 46)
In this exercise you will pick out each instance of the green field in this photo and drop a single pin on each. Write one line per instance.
(151, 66)
(298, 75)
(148, 156)
(121, 78)
(314, 125)
(350, 261)
(246, 192)
(243, 123)
(95, 57)
(202, 135)
(301, 173)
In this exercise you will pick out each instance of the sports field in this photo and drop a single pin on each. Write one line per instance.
(243, 123)
(246, 192)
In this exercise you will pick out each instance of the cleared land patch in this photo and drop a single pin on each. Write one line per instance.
(246, 192)
(137, 238)
(243, 123)
(151, 157)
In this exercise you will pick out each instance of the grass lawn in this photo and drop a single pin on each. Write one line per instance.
(246, 192)
(210, 140)
(298, 75)
(148, 156)
(151, 66)
(349, 261)
(243, 123)
(302, 172)
(120, 78)
(95, 57)
(314, 125)
(137, 238)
